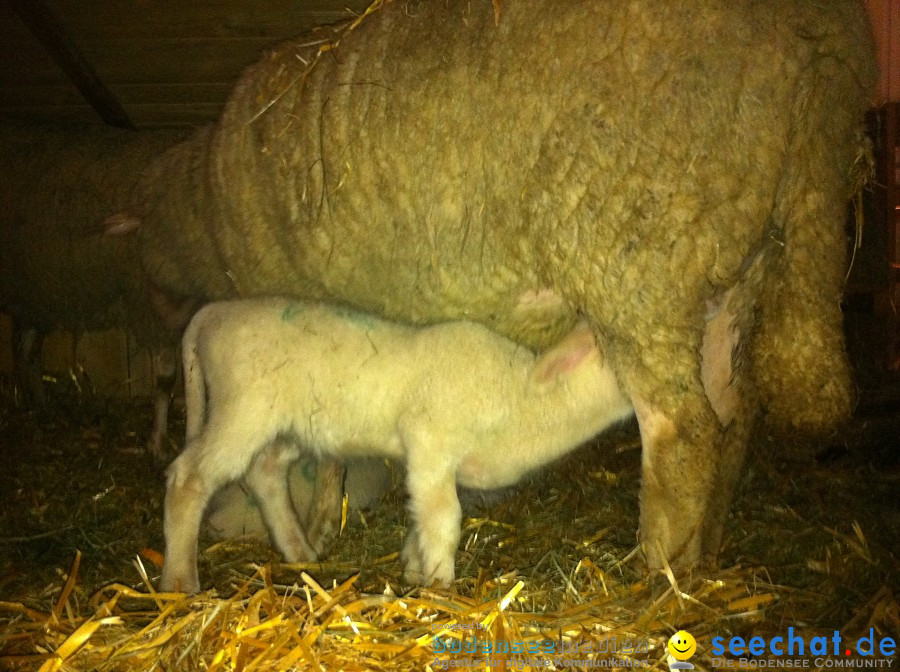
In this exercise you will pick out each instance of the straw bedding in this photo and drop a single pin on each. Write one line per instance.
(814, 548)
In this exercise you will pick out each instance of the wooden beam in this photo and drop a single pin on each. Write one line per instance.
(51, 34)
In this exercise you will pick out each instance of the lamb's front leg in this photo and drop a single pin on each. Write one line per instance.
(323, 520)
(436, 519)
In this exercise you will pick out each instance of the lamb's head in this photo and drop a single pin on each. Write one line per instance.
(577, 369)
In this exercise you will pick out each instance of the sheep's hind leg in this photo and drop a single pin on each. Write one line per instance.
(28, 344)
(267, 478)
(735, 404)
(695, 415)
(167, 368)
(677, 472)
(681, 438)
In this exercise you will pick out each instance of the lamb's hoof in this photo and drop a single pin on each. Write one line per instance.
(414, 576)
(322, 538)
(418, 579)
(179, 583)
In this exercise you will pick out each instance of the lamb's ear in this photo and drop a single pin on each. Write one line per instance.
(566, 355)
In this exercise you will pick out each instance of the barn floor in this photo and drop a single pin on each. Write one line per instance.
(818, 533)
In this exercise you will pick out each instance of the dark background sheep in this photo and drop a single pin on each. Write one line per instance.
(676, 172)
(59, 269)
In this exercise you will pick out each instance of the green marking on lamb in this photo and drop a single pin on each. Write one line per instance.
(355, 317)
(291, 311)
(308, 470)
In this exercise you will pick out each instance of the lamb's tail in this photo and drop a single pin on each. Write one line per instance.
(194, 381)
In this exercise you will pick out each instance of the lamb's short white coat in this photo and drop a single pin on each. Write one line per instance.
(455, 401)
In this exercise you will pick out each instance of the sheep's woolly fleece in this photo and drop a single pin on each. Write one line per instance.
(675, 172)
(570, 156)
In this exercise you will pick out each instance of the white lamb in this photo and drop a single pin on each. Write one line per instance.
(457, 402)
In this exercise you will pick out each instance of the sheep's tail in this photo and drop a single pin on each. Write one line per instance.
(194, 380)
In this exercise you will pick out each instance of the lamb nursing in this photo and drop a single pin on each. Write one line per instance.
(457, 402)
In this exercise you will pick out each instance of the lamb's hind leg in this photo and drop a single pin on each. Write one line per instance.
(218, 455)
(267, 478)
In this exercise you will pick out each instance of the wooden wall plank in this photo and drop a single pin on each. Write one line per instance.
(144, 116)
(22, 58)
(115, 365)
(127, 19)
(885, 15)
(37, 95)
(175, 61)
(40, 94)
(82, 114)
(148, 62)
(169, 62)
(151, 115)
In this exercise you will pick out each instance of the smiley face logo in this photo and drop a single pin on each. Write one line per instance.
(682, 645)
